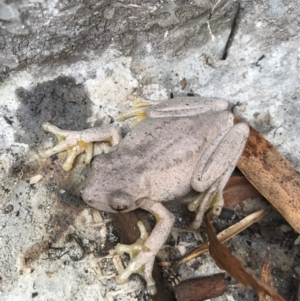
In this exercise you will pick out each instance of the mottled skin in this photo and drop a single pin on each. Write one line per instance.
(184, 144)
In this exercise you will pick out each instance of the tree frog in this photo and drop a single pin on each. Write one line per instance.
(182, 144)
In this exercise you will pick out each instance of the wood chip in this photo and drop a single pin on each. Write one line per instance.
(273, 176)
(237, 190)
(265, 275)
(200, 289)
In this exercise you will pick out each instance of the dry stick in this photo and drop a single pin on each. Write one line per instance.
(272, 175)
(225, 235)
(201, 288)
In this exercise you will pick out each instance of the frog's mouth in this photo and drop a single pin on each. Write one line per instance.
(121, 201)
(138, 203)
(121, 205)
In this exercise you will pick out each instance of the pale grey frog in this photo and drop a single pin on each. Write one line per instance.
(183, 144)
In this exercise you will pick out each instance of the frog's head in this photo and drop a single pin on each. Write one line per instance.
(108, 189)
(116, 201)
(107, 196)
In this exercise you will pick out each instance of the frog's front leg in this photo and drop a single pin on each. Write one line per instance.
(143, 252)
(215, 168)
(77, 142)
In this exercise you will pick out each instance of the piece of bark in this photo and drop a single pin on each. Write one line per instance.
(201, 288)
(272, 175)
(126, 226)
(128, 231)
(265, 275)
(237, 190)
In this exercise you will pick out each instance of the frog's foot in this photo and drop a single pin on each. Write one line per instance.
(77, 142)
(142, 260)
(138, 111)
(212, 197)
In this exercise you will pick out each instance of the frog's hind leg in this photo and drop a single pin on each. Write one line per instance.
(175, 107)
(77, 142)
(215, 168)
(186, 106)
(138, 111)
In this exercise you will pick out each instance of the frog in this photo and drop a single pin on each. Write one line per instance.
(176, 146)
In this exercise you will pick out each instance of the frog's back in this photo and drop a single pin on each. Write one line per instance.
(164, 151)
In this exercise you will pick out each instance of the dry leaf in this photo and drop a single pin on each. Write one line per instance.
(237, 190)
(233, 266)
(226, 234)
(273, 176)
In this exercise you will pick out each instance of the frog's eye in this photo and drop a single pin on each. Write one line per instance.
(90, 202)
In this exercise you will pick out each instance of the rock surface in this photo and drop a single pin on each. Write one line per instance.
(75, 63)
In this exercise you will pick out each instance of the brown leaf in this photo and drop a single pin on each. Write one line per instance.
(233, 266)
(272, 175)
(237, 190)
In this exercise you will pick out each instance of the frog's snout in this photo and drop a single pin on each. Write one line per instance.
(119, 204)
(120, 201)
(86, 196)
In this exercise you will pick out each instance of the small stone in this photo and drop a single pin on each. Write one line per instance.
(35, 179)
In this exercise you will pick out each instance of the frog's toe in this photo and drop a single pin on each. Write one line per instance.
(196, 224)
(72, 154)
(151, 289)
(76, 150)
(136, 247)
(121, 279)
(142, 265)
(210, 198)
(217, 209)
(138, 111)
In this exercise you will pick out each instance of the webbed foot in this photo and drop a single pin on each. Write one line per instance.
(141, 260)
